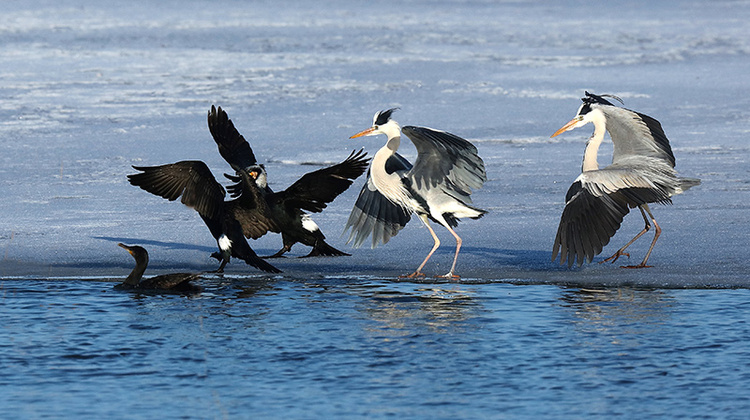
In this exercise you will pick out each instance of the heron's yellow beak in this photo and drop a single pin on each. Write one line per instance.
(363, 133)
(568, 126)
(254, 174)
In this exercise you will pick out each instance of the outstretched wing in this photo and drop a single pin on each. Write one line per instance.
(190, 179)
(232, 146)
(374, 214)
(595, 206)
(316, 189)
(442, 156)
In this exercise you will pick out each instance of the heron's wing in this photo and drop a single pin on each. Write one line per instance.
(636, 134)
(443, 156)
(638, 180)
(250, 207)
(232, 146)
(316, 189)
(190, 179)
(595, 205)
(373, 214)
(587, 224)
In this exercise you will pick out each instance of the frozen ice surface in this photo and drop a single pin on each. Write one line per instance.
(88, 89)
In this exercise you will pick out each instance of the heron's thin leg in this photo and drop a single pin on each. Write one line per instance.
(651, 248)
(620, 252)
(451, 274)
(419, 273)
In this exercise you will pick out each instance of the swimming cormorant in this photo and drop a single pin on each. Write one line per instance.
(179, 282)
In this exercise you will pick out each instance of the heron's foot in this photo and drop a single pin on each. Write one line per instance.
(641, 265)
(614, 257)
(414, 275)
(217, 271)
(449, 276)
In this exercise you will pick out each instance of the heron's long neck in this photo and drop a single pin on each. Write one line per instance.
(135, 276)
(390, 185)
(590, 162)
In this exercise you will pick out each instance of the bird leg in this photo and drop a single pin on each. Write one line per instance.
(280, 253)
(656, 236)
(620, 252)
(221, 266)
(418, 272)
(451, 274)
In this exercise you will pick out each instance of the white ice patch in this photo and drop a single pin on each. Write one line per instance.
(309, 224)
(224, 243)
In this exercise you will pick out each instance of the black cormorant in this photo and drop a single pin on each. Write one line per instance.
(228, 224)
(286, 209)
(176, 281)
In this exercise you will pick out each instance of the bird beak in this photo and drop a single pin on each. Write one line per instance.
(127, 248)
(568, 126)
(363, 133)
(254, 174)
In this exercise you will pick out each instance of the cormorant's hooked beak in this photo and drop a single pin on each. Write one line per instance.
(364, 133)
(127, 248)
(569, 126)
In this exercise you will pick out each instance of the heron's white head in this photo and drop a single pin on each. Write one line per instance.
(589, 112)
(258, 173)
(382, 124)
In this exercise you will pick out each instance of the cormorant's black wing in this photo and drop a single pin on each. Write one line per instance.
(190, 179)
(316, 189)
(232, 146)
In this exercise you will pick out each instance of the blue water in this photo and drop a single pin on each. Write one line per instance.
(344, 348)
(90, 88)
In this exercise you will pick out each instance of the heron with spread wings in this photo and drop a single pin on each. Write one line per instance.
(642, 172)
(437, 187)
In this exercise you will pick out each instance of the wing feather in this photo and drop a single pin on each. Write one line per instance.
(232, 146)
(444, 156)
(373, 214)
(314, 190)
(190, 179)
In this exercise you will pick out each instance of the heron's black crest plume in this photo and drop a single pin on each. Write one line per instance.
(384, 116)
(593, 98)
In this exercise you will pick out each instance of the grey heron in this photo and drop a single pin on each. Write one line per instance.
(642, 172)
(193, 181)
(285, 210)
(437, 187)
(174, 281)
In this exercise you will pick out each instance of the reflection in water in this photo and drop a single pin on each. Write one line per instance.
(620, 314)
(403, 310)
